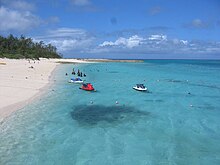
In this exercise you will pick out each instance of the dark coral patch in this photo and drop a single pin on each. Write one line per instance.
(94, 114)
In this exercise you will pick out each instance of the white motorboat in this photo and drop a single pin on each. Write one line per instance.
(76, 80)
(140, 87)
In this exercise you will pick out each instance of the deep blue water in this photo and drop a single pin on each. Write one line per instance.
(212, 63)
(166, 125)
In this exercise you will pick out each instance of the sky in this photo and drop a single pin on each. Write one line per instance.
(120, 29)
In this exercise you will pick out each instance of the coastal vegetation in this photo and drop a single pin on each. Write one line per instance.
(22, 47)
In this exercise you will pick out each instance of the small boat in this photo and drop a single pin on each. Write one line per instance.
(87, 87)
(140, 87)
(75, 80)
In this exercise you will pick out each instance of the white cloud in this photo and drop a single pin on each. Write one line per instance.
(81, 42)
(156, 44)
(185, 42)
(130, 42)
(17, 20)
(68, 39)
(158, 37)
(68, 32)
(107, 43)
(18, 16)
(70, 44)
(180, 42)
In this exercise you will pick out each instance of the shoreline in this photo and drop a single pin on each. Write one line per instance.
(23, 81)
(21, 84)
(8, 110)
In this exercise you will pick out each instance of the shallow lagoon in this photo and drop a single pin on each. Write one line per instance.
(167, 125)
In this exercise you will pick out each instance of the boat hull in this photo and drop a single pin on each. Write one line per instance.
(76, 82)
(140, 89)
(87, 89)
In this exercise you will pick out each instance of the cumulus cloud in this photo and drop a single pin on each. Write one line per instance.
(156, 44)
(70, 44)
(157, 37)
(80, 42)
(17, 20)
(19, 16)
(179, 42)
(130, 42)
(185, 42)
(68, 39)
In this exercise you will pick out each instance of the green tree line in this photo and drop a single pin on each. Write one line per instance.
(14, 47)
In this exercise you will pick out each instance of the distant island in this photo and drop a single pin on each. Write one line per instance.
(18, 48)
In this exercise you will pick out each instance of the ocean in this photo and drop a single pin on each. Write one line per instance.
(176, 122)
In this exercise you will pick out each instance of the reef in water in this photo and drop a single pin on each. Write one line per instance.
(94, 114)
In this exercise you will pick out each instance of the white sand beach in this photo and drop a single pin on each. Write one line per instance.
(23, 80)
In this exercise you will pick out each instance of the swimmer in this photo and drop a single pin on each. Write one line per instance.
(91, 102)
(116, 102)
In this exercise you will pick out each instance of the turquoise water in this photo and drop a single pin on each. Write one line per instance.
(164, 126)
